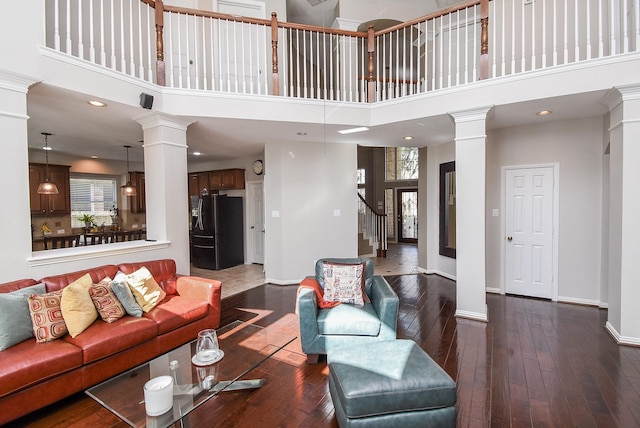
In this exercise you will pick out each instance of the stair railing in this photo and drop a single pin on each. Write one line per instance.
(373, 225)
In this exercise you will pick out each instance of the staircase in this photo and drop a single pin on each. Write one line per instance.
(372, 230)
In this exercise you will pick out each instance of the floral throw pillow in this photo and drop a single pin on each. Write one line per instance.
(343, 282)
(46, 316)
(106, 302)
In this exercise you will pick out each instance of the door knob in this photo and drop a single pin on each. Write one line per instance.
(509, 238)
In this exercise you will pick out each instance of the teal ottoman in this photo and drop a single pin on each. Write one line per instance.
(390, 384)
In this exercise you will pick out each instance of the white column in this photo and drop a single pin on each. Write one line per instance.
(470, 144)
(623, 319)
(16, 215)
(165, 169)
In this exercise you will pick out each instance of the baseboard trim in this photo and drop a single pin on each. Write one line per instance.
(436, 272)
(474, 316)
(621, 340)
(493, 290)
(281, 282)
(578, 301)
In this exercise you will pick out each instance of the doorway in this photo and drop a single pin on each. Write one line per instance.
(255, 220)
(530, 218)
(407, 200)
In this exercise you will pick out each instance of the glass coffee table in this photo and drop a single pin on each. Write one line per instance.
(245, 347)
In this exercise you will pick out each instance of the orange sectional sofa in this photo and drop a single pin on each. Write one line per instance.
(34, 375)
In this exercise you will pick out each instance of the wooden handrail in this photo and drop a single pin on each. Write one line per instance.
(367, 205)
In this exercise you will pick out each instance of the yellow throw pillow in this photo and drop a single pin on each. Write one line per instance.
(77, 307)
(145, 289)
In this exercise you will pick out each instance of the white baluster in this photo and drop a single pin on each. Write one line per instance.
(544, 34)
(523, 66)
(566, 33)
(588, 29)
(513, 38)
(503, 37)
(150, 36)
(103, 54)
(113, 38)
(92, 48)
(625, 27)
(68, 40)
(56, 25)
(132, 64)
(600, 30)
(577, 31)
(533, 36)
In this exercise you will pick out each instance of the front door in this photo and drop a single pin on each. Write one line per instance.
(529, 223)
(408, 215)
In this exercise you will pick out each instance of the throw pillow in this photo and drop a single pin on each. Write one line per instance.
(77, 307)
(145, 289)
(123, 293)
(46, 316)
(343, 282)
(107, 304)
(15, 320)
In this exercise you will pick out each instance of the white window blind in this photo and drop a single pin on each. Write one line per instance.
(95, 196)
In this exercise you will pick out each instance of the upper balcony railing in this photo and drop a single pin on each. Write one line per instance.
(193, 49)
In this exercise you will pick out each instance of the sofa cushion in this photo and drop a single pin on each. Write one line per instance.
(46, 316)
(15, 319)
(349, 320)
(176, 311)
(77, 307)
(343, 282)
(122, 291)
(145, 289)
(107, 304)
(28, 363)
(102, 339)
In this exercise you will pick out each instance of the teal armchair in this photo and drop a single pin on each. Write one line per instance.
(325, 329)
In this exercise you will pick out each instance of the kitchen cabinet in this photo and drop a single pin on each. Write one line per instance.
(138, 202)
(225, 179)
(46, 205)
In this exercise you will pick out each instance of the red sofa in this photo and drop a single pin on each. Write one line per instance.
(34, 375)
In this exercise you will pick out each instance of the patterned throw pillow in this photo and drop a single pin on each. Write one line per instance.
(145, 289)
(107, 304)
(46, 316)
(343, 282)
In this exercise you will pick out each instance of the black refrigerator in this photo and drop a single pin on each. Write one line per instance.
(217, 235)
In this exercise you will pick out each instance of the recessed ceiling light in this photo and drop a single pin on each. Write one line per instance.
(408, 137)
(544, 112)
(47, 148)
(353, 130)
(197, 153)
(301, 133)
(93, 157)
(97, 103)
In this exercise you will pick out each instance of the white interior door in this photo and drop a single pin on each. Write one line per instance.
(256, 223)
(529, 224)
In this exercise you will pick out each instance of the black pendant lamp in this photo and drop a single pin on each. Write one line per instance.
(128, 189)
(47, 187)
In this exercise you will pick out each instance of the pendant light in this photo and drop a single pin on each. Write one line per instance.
(128, 189)
(47, 187)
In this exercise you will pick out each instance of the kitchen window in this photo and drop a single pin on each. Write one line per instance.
(94, 196)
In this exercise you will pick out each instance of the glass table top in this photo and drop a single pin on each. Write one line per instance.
(245, 347)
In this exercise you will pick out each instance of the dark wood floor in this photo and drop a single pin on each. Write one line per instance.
(536, 363)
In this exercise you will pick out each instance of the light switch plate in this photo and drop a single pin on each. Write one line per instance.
(495, 212)
(275, 213)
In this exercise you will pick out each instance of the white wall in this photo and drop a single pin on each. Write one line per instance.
(304, 184)
(577, 147)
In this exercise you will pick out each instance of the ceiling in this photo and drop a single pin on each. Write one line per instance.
(81, 130)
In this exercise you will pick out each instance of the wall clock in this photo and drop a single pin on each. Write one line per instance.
(258, 167)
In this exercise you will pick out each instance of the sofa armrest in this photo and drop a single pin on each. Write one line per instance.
(202, 289)
(197, 288)
(386, 302)
(307, 310)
